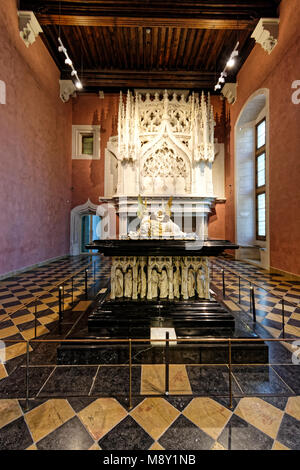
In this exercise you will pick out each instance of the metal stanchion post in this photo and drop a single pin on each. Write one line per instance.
(63, 297)
(253, 303)
(94, 273)
(167, 364)
(86, 284)
(223, 282)
(72, 283)
(239, 289)
(27, 376)
(212, 271)
(35, 320)
(230, 376)
(130, 376)
(282, 307)
(60, 314)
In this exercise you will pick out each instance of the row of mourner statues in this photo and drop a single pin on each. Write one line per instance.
(160, 278)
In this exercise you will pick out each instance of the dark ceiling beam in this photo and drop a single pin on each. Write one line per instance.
(156, 8)
(130, 22)
(144, 79)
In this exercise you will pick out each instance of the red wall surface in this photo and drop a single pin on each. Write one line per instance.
(35, 160)
(88, 175)
(276, 72)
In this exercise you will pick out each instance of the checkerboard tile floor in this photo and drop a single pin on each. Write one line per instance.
(269, 288)
(17, 321)
(170, 423)
(196, 414)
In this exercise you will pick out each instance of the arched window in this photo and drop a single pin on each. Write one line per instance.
(251, 183)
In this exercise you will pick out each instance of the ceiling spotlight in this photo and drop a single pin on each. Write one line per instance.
(222, 79)
(68, 61)
(73, 72)
(230, 62)
(78, 84)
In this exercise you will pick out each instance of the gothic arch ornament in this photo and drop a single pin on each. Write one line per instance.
(163, 136)
(75, 225)
(164, 165)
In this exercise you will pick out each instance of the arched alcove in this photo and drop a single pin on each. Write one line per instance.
(76, 226)
(253, 247)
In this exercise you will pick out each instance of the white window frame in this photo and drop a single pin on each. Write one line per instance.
(78, 131)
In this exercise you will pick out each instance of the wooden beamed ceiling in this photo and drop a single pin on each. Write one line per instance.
(149, 44)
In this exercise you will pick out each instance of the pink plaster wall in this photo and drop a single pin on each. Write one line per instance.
(88, 175)
(35, 151)
(276, 72)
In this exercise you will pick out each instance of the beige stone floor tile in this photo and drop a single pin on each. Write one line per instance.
(275, 317)
(10, 331)
(278, 446)
(30, 334)
(153, 379)
(287, 308)
(47, 417)
(260, 414)
(232, 306)
(52, 298)
(292, 330)
(217, 446)
(9, 411)
(48, 319)
(16, 350)
(156, 446)
(295, 316)
(95, 447)
(32, 447)
(101, 416)
(82, 306)
(264, 308)
(271, 298)
(39, 308)
(274, 332)
(3, 372)
(208, 415)
(23, 319)
(13, 309)
(155, 415)
(293, 407)
(178, 380)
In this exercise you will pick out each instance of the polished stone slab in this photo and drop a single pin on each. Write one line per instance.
(14, 386)
(289, 432)
(70, 436)
(161, 247)
(15, 435)
(185, 435)
(290, 374)
(69, 380)
(260, 380)
(127, 435)
(211, 380)
(240, 435)
(114, 380)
